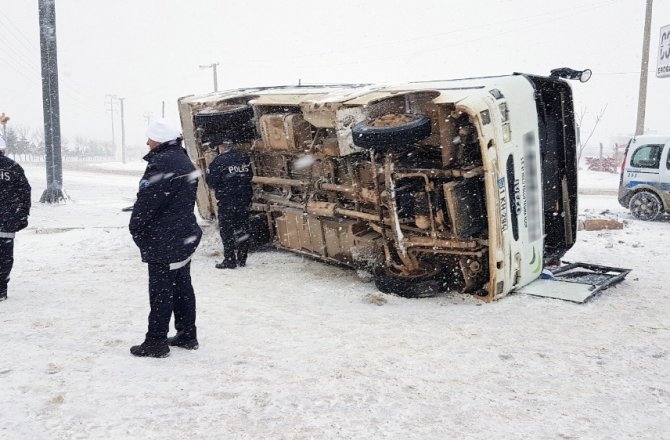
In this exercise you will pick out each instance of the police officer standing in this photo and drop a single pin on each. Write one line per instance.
(14, 211)
(164, 227)
(229, 175)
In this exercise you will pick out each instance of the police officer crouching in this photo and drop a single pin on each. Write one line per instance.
(229, 175)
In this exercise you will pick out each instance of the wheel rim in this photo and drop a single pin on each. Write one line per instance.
(644, 206)
(426, 271)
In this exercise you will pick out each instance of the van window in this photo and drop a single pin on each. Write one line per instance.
(647, 156)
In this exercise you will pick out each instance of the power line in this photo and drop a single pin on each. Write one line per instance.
(30, 45)
(19, 58)
(23, 65)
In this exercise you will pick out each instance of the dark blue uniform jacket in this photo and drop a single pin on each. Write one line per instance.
(163, 224)
(229, 175)
(14, 196)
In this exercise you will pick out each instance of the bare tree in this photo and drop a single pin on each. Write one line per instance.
(10, 140)
(66, 148)
(21, 145)
(21, 130)
(580, 120)
(37, 143)
(80, 147)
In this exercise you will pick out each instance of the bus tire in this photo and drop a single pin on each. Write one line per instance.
(235, 124)
(422, 285)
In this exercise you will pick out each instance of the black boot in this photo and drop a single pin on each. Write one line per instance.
(151, 347)
(226, 264)
(229, 261)
(241, 258)
(183, 340)
(242, 247)
(3, 295)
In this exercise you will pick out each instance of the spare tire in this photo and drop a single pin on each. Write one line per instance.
(390, 131)
(235, 124)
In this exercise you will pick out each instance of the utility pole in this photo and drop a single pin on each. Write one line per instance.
(642, 98)
(148, 116)
(52, 141)
(163, 109)
(123, 133)
(110, 108)
(213, 67)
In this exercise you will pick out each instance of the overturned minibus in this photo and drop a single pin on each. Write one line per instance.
(467, 185)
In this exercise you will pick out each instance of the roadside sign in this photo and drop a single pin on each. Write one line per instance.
(663, 66)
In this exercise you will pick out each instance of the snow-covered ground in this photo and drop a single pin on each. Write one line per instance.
(293, 349)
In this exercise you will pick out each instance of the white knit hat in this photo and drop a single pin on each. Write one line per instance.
(161, 131)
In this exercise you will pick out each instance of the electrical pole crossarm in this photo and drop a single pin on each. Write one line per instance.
(214, 75)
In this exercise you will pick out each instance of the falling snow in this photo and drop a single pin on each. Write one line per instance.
(293, 348)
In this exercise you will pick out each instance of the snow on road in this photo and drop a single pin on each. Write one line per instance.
(292, 349)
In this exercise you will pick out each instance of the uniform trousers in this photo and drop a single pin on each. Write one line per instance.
(6, 262)
(171, 291)
(234, 229)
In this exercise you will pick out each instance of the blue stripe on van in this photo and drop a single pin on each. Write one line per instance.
(634, 183)
(661, 186)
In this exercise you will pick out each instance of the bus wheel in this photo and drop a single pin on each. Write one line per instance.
(423, 284)
(645, 205)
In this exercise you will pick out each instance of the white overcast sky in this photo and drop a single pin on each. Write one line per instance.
(149, 51)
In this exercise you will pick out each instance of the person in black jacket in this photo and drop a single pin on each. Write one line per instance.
(14, 211)
(164, 228)
(229, 175)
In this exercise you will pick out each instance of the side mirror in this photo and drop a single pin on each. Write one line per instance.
(568, 73)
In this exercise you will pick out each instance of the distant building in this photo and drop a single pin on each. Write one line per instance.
(618, 146)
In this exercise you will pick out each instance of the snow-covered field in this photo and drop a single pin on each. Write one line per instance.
(291, 348)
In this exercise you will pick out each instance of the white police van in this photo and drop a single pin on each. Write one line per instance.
(644, 186)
